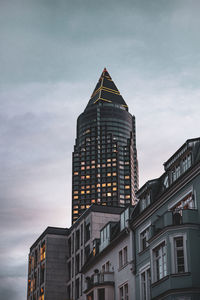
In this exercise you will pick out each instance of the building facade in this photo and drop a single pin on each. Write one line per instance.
(105, 168)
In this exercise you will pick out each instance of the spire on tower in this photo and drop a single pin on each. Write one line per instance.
(106, 91)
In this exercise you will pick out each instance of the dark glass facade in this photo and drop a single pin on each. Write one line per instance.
(105, 167)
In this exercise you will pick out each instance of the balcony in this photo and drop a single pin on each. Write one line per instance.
(171, 218)
(99, 279)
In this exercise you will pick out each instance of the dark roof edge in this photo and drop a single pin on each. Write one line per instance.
(50, 230)
(180, 148)
(98, 208)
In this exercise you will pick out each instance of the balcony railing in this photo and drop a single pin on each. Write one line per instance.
(106, 278)
(174, 218)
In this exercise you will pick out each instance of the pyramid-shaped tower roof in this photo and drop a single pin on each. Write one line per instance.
(106, 91)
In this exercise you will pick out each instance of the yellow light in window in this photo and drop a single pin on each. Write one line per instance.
(109, 194)
(93, 201)
(103, 203)
(93, 161)
(98, 190)
(114, 188)
(82, 187)
(93, 167)
(114, 164)
(108, 184)
(127, 196)
(75, 197)
(114, 183)
(88, 191)
(98, 184)
(75, 173)
(103, 184)
(114, 174)
(108, 165)
(87, 176)
(127, 187)
(98, 166)
(75, 211)
(108, 174)
(82, 206)
(87, 186)
(108, 160)
(114, 159)
(75, 192)
(88, 167)
(103, 165)
(87, 206)
(82, 168)
(127, 177)
(82, 192)
(82, 177)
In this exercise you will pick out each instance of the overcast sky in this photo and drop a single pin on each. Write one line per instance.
(51, 56)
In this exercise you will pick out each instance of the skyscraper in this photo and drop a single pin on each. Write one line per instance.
(105, 167)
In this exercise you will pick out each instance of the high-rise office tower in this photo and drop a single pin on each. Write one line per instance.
(105, 169)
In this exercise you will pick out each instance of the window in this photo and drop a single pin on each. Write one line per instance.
(123, 292)
(144, 236)
(145, 283)
(186, 162)
(159, 262)
(123, 257)
(179, 257)
(101, 294)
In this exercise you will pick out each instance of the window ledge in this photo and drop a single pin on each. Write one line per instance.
(160, 281)
(180, 274)
(122, 267)
(143, 251)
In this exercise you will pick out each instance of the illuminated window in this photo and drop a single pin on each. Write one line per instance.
(82, 206)
(103, 165)
(114, 189)
(127, 196)
(98, 190)
(126, 162)
(88, 167)
(82, 192)
(127, 177)
(108, 160)
(75, 192)
(82, 187)
(98, 166)
(82, 163)
(108, 184)
(108, 174)
(87, 176)
(42, 252)
(114, 183)
(82, 177)
(93, 200)
(103, 184)
(103, 203)
(98, 175)
(75, 173)
(75, 197)
(98, 185)
(87, 186)
(114, 174)
(114, 164)
(109, 194)
(108, 165)
(127, 187)
(87, 206)
(114, 159)
(88, 191)
(75, 211)
(93, 161)
(82, 168)
(93, 167)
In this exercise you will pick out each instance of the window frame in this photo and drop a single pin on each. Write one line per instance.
(153, 266)
(144, 228)
(142, 270)
(174, 265)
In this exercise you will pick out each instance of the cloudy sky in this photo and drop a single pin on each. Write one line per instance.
(51, 55)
